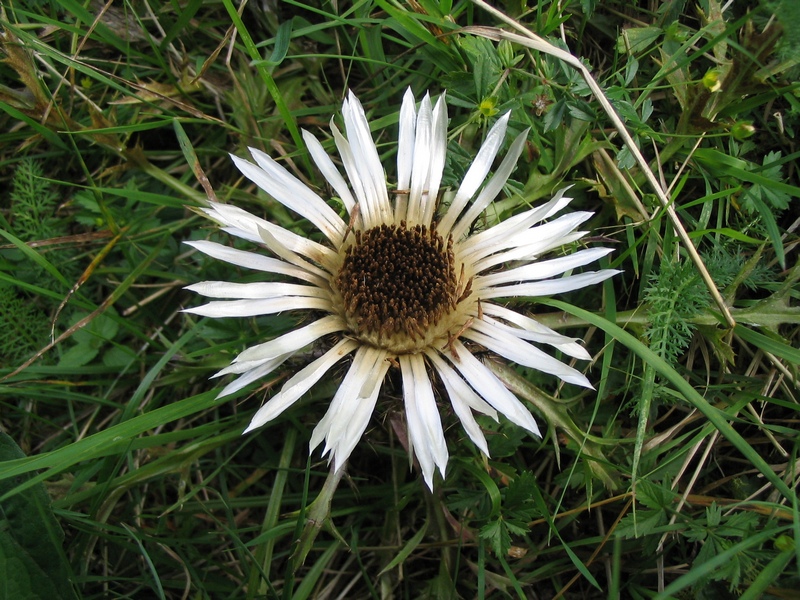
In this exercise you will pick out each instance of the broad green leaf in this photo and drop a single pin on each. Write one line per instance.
(32, 563)
(78, 356)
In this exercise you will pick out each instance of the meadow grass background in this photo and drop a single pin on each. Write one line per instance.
(123, 477)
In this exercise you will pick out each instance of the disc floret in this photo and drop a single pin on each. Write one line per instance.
(398, 286)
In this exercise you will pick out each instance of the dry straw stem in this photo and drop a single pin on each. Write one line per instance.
(533, 41)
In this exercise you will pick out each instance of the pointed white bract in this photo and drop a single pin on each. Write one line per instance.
(424, 424)
(501, 262)
(352, 406)
(476, 174)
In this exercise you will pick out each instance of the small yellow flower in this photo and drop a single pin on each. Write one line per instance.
(711, 81)
(742, 130)
(488, 108)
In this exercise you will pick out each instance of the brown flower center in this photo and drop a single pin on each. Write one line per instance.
(397, 284)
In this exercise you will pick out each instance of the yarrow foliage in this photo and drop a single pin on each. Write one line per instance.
(403, 283)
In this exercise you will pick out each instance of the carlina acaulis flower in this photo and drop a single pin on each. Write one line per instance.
(403, 282)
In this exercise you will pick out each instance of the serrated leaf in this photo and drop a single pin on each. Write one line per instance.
(487, 67)
(625, 159)
(496, 533)
(713, 515)
(520, 490)
(641, 523)
(696, 535)
(772, 170)
(654, 496)
(507, 440)
(517, 526)
(636, 39)
(738, 525)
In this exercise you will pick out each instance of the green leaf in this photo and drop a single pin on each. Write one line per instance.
(496, 533)
(768, 576)
(406, 551)
(713, 515)
(78, 356)
(581, 110)
(517, 526)
(636, 39)
(99, 330)
(555, 116)
(722, 164)
(281, 47)
(776, 197)
(542, 506)
(520, 490)
(32, 564)
(642, 523)
(118, 356)
(486, 64)
(654, 496)
(184, 18)
(769, 344)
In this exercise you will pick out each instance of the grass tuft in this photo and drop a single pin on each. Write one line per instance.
(676, 478)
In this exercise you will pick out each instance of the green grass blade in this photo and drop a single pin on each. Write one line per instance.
(714, 415)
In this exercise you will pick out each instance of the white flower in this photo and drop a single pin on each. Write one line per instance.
(402, 284)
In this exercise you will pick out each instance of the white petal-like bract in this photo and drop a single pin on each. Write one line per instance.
(401, 280)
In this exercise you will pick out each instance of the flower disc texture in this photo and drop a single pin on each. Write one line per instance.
(402, 282)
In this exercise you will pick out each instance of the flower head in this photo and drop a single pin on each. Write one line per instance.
(405, 282)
